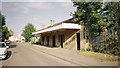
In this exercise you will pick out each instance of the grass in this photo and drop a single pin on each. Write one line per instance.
(100, 56)
(27, 43)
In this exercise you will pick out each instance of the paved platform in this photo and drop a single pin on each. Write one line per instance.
(70, 56)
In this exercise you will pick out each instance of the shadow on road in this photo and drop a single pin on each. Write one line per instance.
(49, 46)
(12, 46)
(9, 54)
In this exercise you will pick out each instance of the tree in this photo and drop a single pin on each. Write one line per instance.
(2, 23)
(11, 32)
(114, 17)
(5, 32)
(88, 13)
(27, 33)
(100, 21)
(2, 19)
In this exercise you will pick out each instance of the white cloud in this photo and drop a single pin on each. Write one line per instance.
(37, 5)
(59, 0)
(24, 7)
(14, 7)
(36, 0)
(62, 0)
(66, 5)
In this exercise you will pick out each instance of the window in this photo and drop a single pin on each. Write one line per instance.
(2, 45)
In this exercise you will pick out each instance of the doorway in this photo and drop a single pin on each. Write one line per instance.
(78, 41)
(61, 40)
(47, 40)
(43, 39)
(53, 41)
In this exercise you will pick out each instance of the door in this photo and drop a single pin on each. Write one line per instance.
(43, 39)
(47, 40)
(53, 41)
(61, 40)
(78, 41)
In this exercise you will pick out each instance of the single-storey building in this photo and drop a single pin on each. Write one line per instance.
(65, 34)
(17, 38)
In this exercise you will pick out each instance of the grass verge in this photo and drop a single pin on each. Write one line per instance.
(27, 43)
(100, 56)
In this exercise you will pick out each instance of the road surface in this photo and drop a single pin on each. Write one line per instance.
(21, 55)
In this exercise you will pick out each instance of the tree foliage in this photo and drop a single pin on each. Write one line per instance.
(5, 32)
(101, 23)
(2, 22)
(27, 33)
(11, 32)
(2, 19)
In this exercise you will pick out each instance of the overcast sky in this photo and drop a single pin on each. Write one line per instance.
(18, 14)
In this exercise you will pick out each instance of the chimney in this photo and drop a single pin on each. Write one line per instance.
(52, 22)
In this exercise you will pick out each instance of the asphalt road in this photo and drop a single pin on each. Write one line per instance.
(21, 55)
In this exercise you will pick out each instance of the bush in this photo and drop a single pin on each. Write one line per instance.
(107, 44)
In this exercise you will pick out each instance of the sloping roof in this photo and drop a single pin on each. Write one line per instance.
(61, 25)
(66, 21)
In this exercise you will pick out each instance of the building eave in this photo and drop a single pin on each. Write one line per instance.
(58, 26)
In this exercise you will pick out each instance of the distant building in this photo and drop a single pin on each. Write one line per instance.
(17, 38)
(35, 39)
(65, 34)
(20, 38)
(12, 38)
